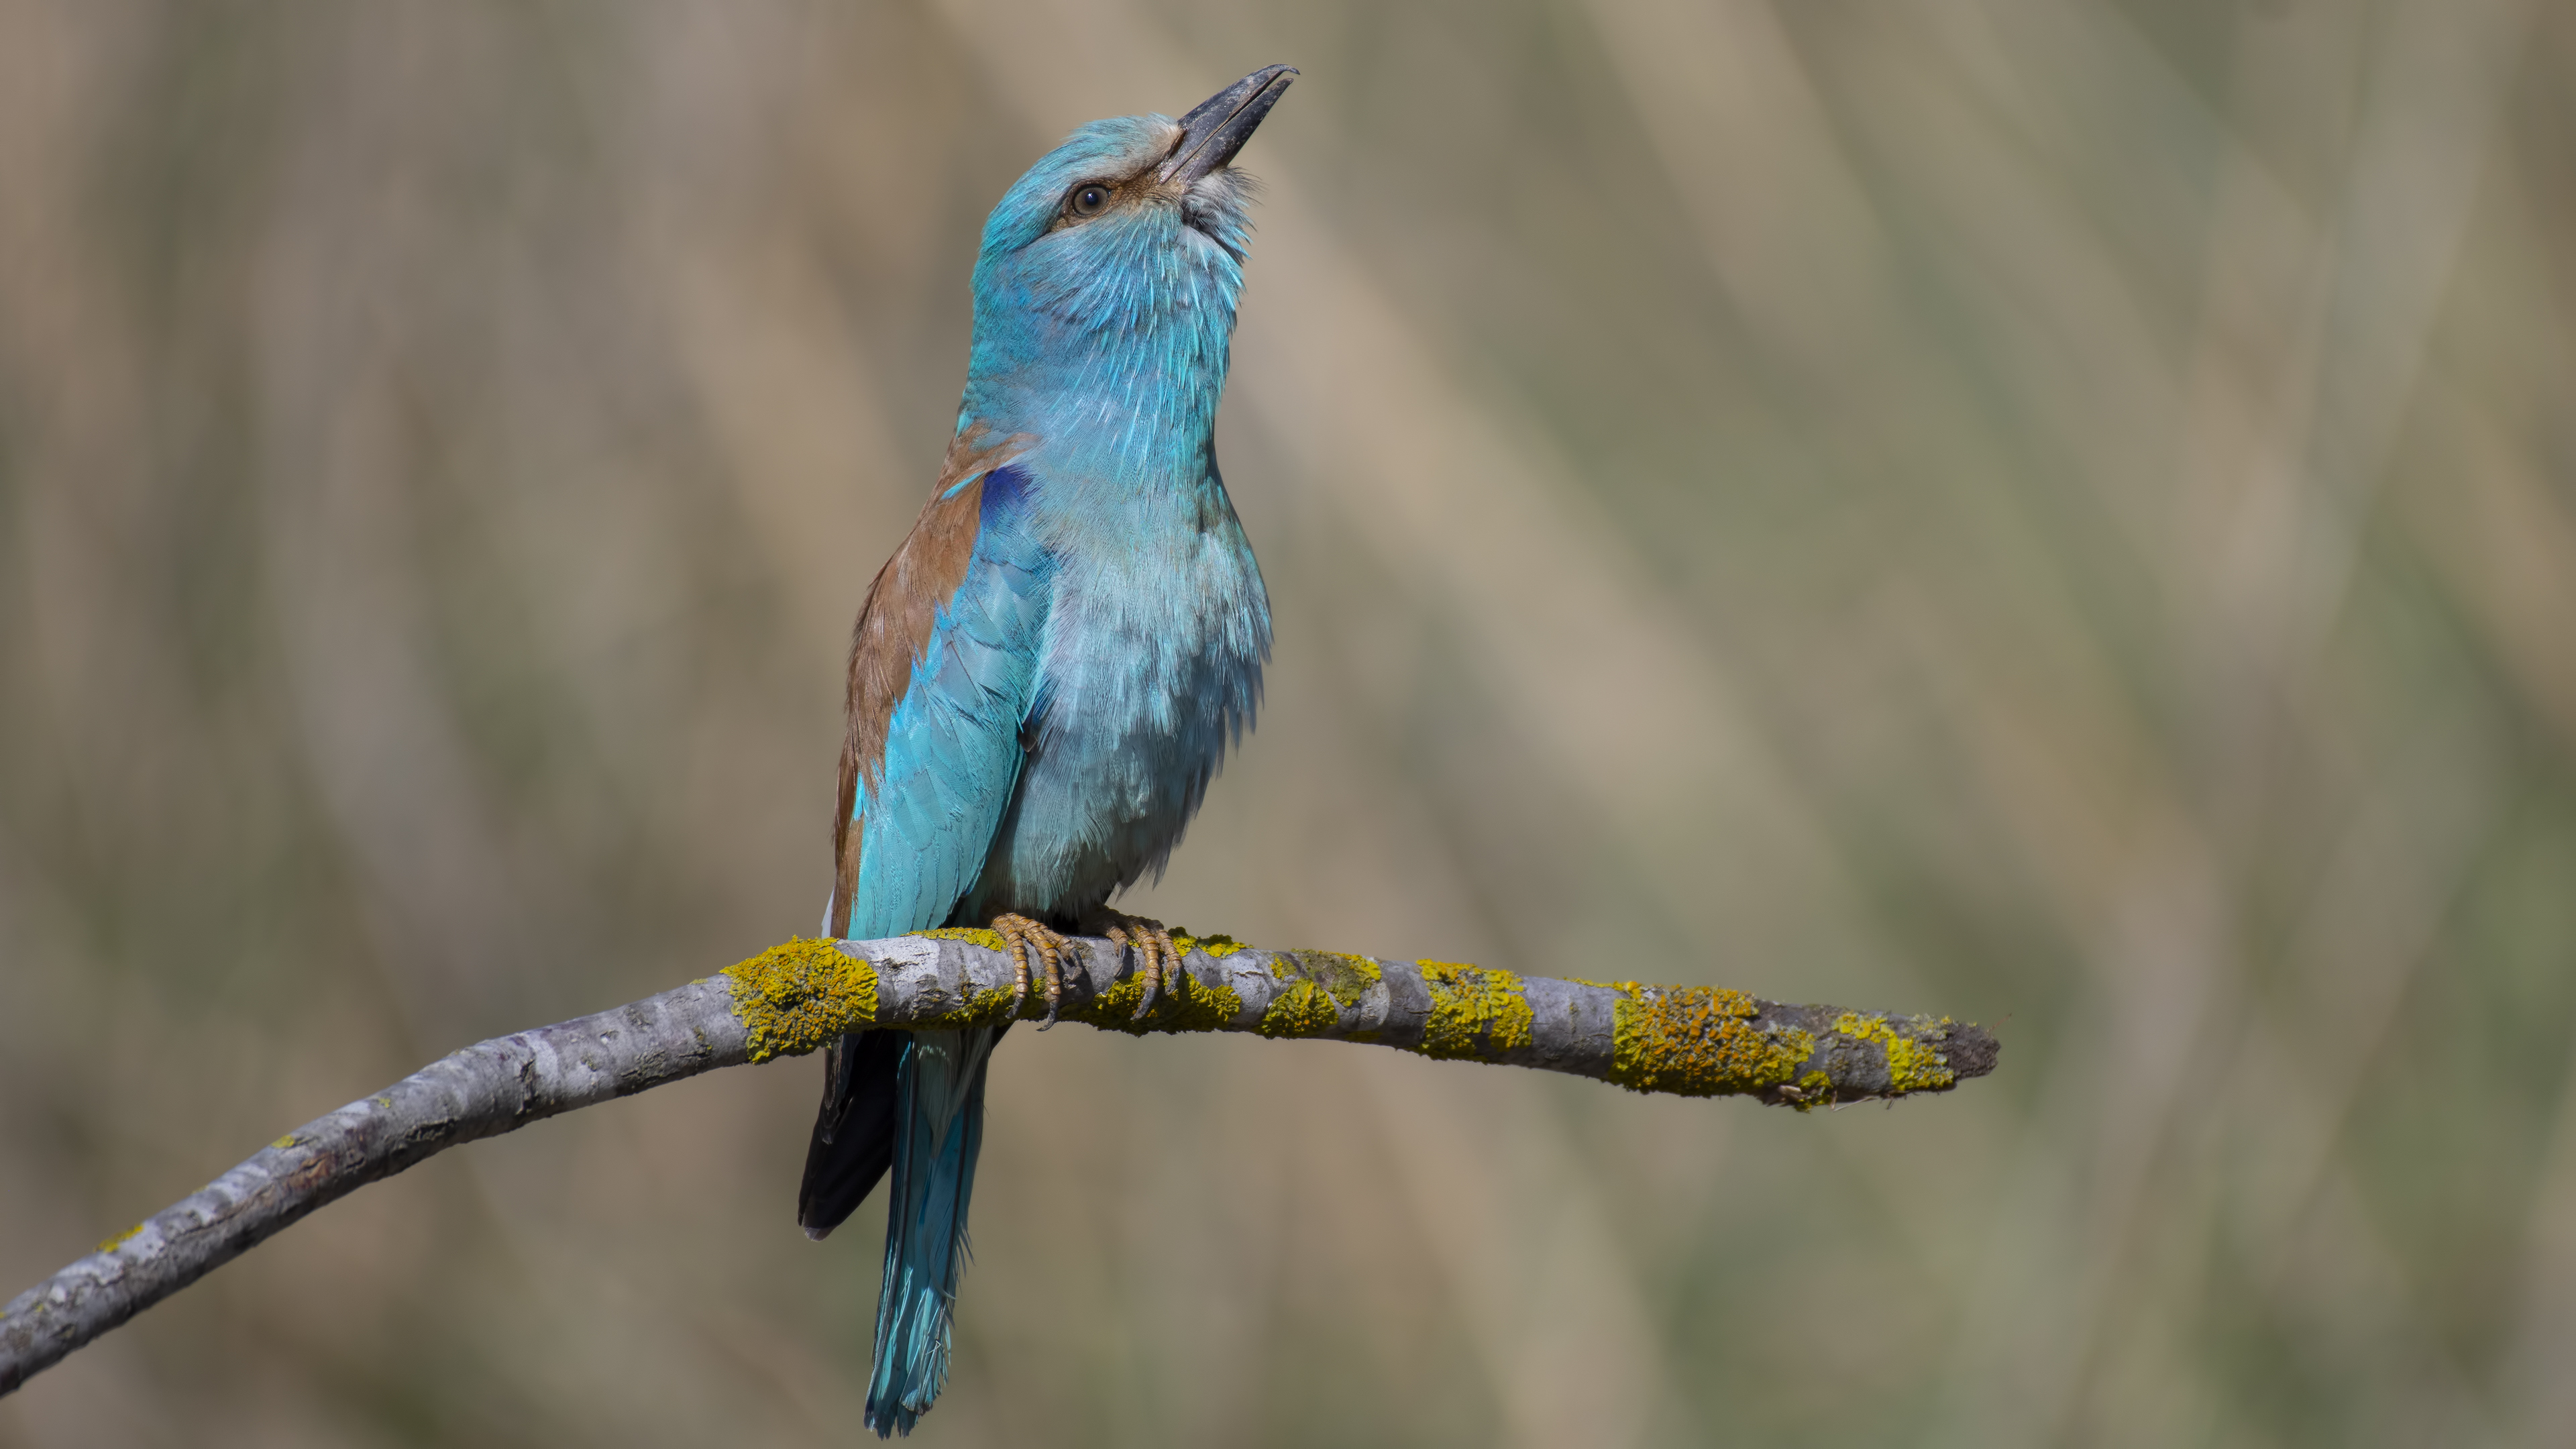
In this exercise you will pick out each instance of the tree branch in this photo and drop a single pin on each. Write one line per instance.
(1696, 1041)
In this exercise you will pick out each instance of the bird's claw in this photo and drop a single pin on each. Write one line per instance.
(1020, 932)
(1151, 941)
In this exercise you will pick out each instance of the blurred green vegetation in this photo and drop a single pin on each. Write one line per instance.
(2061, 514)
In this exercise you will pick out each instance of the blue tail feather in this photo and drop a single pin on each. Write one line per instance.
(939, 1128)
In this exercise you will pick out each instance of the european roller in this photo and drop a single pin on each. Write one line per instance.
(1047, 673)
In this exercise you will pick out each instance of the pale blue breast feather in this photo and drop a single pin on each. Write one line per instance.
(1151, 670)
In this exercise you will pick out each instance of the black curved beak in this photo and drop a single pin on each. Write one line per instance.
(1217, 127)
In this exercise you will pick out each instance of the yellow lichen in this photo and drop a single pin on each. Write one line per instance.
(1346, 978)
(1813, 1090)
(1476, 1014)
(1184, 1004)
(989, 1008)
(984, 936)
(285, 1142)
(1913, 1065)
(1216, 946)
(1304, 1009)
(120, 1240)
(799, 995)
(1697, 1042)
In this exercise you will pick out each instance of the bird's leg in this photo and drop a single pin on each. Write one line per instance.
(1021, 932)
(1151, 942)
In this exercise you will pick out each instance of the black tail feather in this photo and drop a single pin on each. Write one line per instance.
(853, 1142)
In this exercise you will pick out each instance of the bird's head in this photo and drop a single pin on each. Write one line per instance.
(1124, 245)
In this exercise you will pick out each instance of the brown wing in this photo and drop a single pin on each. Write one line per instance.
(893, 629)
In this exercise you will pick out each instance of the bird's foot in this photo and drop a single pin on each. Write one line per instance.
(1152, 942)
(1021, 933)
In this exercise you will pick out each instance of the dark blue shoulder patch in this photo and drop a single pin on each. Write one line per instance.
(1005, 491)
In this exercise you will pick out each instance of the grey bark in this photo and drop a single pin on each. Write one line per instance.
(508, 1082)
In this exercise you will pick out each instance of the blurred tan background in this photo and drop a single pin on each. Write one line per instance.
(2056, 513)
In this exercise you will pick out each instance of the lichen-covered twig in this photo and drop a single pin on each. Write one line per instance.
(1695, 1041)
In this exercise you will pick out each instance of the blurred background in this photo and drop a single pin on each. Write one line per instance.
(2061, 514)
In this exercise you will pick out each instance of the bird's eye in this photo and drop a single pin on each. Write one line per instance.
(1089, 199)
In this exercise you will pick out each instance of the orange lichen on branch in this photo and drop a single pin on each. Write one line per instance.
(1698, 1041)
(1912, 1065)
(1476, 1014)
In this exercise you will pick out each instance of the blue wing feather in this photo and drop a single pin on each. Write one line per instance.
(952, 758)
(952, 751)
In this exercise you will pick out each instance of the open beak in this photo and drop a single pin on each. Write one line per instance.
(1217, 127)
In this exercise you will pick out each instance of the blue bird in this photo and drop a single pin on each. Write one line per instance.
(1047, 673)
